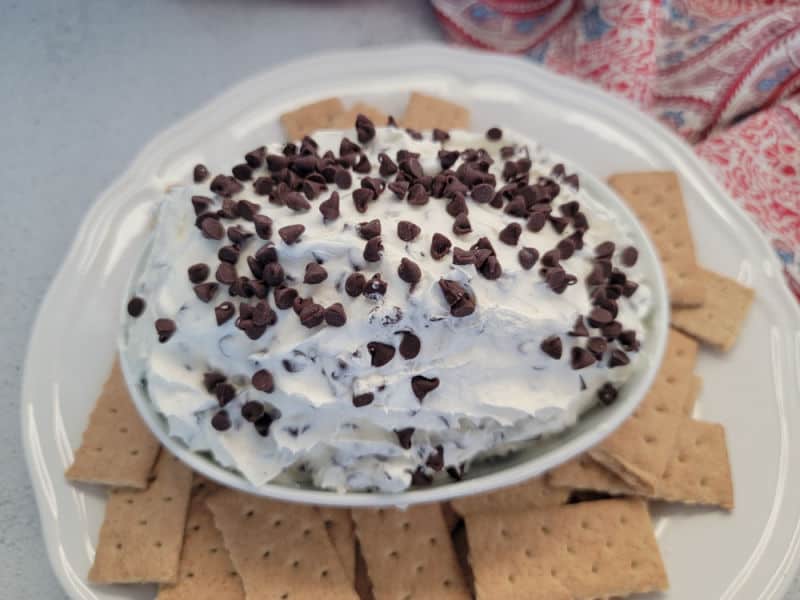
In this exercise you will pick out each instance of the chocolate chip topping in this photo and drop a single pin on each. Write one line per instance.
(461, 302)
(224, 312)
(491, 268)
(461, 225)
(536, 221)
(263, 226)
(618, 358)
(212, 229)
(494, 134)
(373, 249)
(363, 399)
(558, 223)
(252, 411)
(607, 394)
(206, 291)
(599, 316)
(422, 386)
(315, 273)
(510, 234)
(629, 256)
(330, 208)
(355, 284)
(580, 358)
(439, 135)
(552, 346)
(597, 345)
(407, 231)
(312, 315)
(242, 172)
(335, 315)
(418, 195)
(225, 393)
(381, 353)
(463, 257)
(528, 257)
(291, 233)
(201, 204)
(363, 165)
(440, 246)
(361, 198)
(579, 329)
(435, 459)
(410, 345)
(409, 271)
(165, 328)
(284, 296)
(375, 287)
(136, 306)
(263, 381)
(404, 437)
(387, 165)
(365, 129)
(604, 250)
(296, 202)
(369, 229)
(343, 179)
(228, 254)
(447, 158)
(221, 421)
(200, 173)
(225, 186)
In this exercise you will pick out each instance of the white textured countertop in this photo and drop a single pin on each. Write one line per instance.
(84, 88)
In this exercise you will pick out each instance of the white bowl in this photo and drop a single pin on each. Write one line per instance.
(484, 476)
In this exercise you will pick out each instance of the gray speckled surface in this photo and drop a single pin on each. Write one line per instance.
(85, 84)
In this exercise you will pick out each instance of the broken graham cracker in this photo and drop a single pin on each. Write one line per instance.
(592, 549)
(409, 554)
(427, 112)
(700, 470)
(205, 571)
(341, 533)
(310, 117)
(638, 451)
(280, 550)
(535, 493)
(718, 321)
(142, 533)
(348, 118)
(117, 448)
(656, 199)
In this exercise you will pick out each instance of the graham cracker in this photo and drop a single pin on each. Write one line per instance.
(695, 387)
(142, 533)
(341, 533)
(280, 550)
(409, 554)
(347, 118)
(307, 119)
(657, 200)
(638, 451)
(205, 571)
(117, 448)
(535, 493)
(427, 112)
(451, 517)
(585, 473)
(593, 550)
(699, 471)
(718, 321)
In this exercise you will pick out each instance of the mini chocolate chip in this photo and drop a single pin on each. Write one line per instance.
(510, 234)
(228, 254)
(407, 231)
(463, 257)
(410, 166)
(200, 204)
(369, 229)
(226, 186)
(312, 315)
(335, 315)
(252, 411)
(410, 345)
(422, 386)
(375, 287)
(552, 346)
(273, 274)
(212, 229)
(527, 257)
(224, 312)
(629, 288)
(225, 393)
(373, 249)
(597, 275)
(566, 248)
(494, 134)
(348, 146)
(491, 268)
(228, 210)
(551, 258)
(255, 158)
(569, 209)
(399, 188)
(440, 246)
(284, 296)
(200, 173)
(580, 358)
(483, 193)
(420, 478)
(263, 381)
(629, 256)
(206, 291)
(599, 316)
(517, 207)
(311, 188)
(536, 221)
(221, 421)
(627, 338)
(363, 165)
(263, 314)
(238, 235)
(354, 284)
(343, 179)
(457, 206)
(211, 379)
(242, 172)
(572, 181)
(604, 250)
(136, 306)
(579, 329)
(363, 399)
(597, 345)
(580, 222)
(290, 234)
(263, 226)
(276, 162)
(315, 273)
(447, 158)
(418, 195)
(558, 223)
(607, 394)
(365, 129)
(618, 359)
(404, 437)
(387, 165)
(435, 459)
(439, 135)
(296, 202)
(362, 197)
(461, 225)
(409, 271)
(303, 165)
(267, 254)
(330, 208)
(381, 353)
(262, 425)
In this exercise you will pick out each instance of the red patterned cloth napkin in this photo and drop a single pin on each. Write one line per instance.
(724, 74)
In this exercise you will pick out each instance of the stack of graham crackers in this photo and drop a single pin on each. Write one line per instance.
(581, 531)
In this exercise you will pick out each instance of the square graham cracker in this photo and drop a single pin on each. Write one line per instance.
(341, 533)
(592, 549)
(409, 554)
(719, 320)
(639, 450)
(117, 448)
(205, 571)
(536, 493)
(310, 117)
(427, 112)
(347, 118)
(657, 200)
(280, 550)
(142, 532)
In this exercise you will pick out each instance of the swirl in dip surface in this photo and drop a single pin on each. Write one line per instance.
(465, 296)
